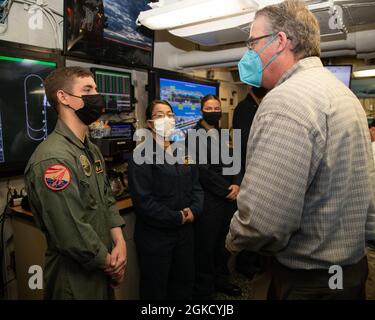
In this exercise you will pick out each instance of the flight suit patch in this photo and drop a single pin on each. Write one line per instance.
(57, 177)
(98, 166)
(86, 165)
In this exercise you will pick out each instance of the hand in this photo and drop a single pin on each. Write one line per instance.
(189, 215)
(115, 282)
(117, 260)
(229, 245)
(184, 216)
(107, 262)
(234, 190)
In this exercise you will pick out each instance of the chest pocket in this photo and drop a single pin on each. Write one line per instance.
(88, 200)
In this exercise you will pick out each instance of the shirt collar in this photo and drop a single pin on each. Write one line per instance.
(303, 64)
(62, 129)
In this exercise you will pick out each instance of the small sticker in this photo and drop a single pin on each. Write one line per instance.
(98, 166)
(86, 165)
(57, 177)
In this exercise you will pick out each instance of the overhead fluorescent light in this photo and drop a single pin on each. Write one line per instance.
(188, 12)
(211, 26)
(364, 73)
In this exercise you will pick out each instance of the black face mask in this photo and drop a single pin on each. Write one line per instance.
(92, 109)
(212, 118)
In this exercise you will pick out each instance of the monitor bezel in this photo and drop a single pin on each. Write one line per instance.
(12, 49)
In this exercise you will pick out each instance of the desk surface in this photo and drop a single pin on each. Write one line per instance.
(121, 204)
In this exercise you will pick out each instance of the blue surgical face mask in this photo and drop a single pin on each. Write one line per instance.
(250, 66)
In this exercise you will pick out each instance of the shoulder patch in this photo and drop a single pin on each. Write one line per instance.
(57, 177)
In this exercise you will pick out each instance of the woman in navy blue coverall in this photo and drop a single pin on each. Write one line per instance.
(167, 199)
(220, 193)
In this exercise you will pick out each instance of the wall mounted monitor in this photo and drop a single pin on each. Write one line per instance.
(116, 88)
(106, 31)
(363, 87)
(184, 93)
(341, 72)
(26, 117)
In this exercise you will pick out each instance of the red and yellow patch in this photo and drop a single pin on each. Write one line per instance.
(57, 177)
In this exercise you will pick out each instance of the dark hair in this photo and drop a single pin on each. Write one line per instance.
(259, 92)
(152, 105)
(62, 79)
(208, 97)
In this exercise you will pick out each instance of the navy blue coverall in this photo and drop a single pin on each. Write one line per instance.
(212, 227)
(164, 245)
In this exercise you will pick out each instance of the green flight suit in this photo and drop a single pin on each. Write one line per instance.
(76, 211)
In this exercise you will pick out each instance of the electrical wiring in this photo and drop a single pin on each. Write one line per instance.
(55, 12)
(46, 10)
(50, 15)
(59, 35)
(54, 27)
(31, 3)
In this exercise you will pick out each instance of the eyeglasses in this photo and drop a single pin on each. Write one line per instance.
(251, 41)
(160, 115)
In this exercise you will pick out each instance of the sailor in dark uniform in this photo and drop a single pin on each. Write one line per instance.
(167, 199)
(220, 192)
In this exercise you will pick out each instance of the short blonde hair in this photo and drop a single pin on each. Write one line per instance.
(299, 24)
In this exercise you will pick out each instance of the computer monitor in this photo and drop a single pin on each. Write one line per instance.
(106, 31)
(116, 89)
(341, 72)
(26, 117)
(185, 98)
(363, 87)
(184, 93)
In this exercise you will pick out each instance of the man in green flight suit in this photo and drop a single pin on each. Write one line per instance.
(71, 198)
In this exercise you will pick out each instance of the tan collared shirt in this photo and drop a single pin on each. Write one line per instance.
(307, 196)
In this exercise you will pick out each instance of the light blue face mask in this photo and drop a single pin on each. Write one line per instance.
(250, 66)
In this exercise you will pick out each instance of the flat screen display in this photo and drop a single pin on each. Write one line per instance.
(343, 73)
(106, 30)
(115, 87)
(363, 87)
(120, 25)
(26, 117)
(185, 98)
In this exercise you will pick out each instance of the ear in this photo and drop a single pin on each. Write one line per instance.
(282, 40)
(62, 98)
